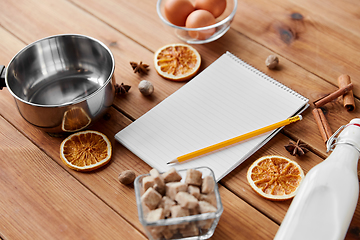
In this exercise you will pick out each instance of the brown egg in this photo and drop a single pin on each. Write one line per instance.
(176, 11)
(216, 7)
(200, 18)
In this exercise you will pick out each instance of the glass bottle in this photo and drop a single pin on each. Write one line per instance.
(327, 197)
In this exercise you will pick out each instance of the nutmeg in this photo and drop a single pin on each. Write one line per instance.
(272, 61)
(146, 87)
(127, 177)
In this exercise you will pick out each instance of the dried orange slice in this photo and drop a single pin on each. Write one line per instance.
(75, 119)
(86, 150)
(275, 177)
(177, 62)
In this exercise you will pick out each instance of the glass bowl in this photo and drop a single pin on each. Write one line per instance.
(221, 26)
(210, 220)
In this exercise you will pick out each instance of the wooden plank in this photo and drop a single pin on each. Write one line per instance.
(343, 14)
(126, 16)
(40, 200)
(244, 223)
(300, 32)
(121, 198)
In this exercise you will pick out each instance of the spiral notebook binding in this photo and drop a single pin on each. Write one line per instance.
(268, 78)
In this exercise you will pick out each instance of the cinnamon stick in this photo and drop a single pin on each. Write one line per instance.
(348, 98)
(341, 91)
(322, 124)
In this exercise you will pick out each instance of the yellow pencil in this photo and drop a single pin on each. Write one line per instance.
(234, 140)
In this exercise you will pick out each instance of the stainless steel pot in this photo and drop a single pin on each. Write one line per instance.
(61, 83)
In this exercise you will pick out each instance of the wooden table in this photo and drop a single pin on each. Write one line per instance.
(40, 198)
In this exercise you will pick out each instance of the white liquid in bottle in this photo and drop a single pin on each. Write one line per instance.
(326, 199)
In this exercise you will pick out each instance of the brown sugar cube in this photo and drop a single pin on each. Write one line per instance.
(206, 207)
(160, 189)
(147, 182)
(205, 224)
(193, 177)
(156, 232)
(210, 198)
(190, 230)
(186, 200)
(173, 188)
(208, 185)
(194, 211)
(166, 203)
(155, 173)
(178, 211)
(145, 208)
(171, 176)
(151, 198)
(194, 190)
(168, 233)
(159, 184)
(155, 215)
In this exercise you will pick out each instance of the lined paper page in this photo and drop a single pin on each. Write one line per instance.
(227, 99)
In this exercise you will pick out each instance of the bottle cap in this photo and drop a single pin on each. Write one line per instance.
(350, 135)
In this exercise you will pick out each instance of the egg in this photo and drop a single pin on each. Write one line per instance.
(216, 7)
(200, 18)
(176, 11)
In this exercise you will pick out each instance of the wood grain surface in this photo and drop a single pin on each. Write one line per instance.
(40, 198)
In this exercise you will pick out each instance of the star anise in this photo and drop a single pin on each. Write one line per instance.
(296, 148)
(139, 67)
(121, 88)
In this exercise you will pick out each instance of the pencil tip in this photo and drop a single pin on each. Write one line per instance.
(172, 162)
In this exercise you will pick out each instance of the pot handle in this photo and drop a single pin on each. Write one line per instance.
(2, 77)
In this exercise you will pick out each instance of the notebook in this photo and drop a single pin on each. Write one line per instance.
(227, 99)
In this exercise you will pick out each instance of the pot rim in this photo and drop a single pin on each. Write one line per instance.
(67, 103)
